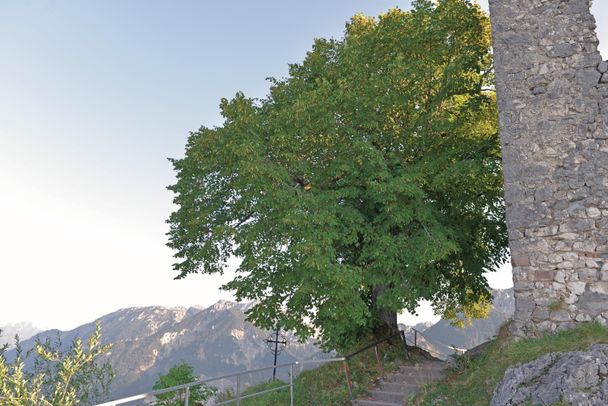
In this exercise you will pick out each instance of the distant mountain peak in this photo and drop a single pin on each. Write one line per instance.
(223, 305)
(442, 337)
(148, 341)
(24, 330)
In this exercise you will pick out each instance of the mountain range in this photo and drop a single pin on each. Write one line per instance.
(216, 341)
(442, 339)
(148, 341)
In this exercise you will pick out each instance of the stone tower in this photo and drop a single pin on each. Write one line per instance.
(552, 91)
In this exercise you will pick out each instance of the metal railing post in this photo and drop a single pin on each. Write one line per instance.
(349, 384)
(237, 399)
(407, 354)
(379, 362)
(291, 384)
(238, 390)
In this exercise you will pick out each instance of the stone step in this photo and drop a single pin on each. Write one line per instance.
(399, 385)
(405, 388)
(439, 366)
(422, 378)
(386, 396)
(366, 402)
(413, 381)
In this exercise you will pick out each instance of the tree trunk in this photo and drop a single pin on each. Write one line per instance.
(386, 319)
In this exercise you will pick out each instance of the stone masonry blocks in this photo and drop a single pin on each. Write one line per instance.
(552, 88)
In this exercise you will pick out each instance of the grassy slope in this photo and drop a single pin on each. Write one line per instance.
(472, 381)
(326, 385)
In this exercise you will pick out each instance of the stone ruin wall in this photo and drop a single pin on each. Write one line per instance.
(552, 89)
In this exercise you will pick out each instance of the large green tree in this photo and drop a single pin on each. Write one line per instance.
(368, 179)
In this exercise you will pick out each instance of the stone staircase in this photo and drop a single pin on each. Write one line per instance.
(401, 384)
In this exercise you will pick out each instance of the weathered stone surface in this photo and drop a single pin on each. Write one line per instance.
(520, 260)
(553, 117)
(592, 303)
(577, 378)
(576, 287)
(561, 51)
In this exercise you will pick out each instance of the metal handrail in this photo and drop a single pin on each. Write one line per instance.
(435, 341)
(291, 366)
(374, 345)
(187, 386)
(430, 351)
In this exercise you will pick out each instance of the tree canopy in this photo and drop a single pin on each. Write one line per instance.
(368, 179)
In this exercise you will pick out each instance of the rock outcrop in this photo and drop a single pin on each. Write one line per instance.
(576, 378)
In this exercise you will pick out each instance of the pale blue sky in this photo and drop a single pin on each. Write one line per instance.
(94, 96)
